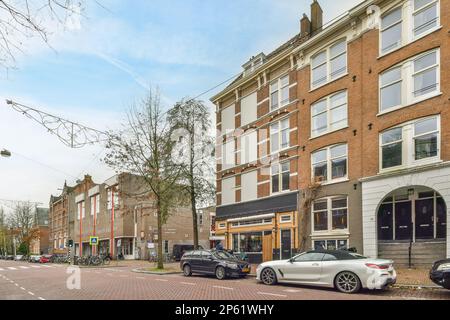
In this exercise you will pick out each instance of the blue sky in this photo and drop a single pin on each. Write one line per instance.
(95, 72)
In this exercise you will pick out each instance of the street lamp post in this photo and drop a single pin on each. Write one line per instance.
(5, 153)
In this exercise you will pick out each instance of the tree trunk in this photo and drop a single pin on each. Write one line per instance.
(160, 249)
(194, 218)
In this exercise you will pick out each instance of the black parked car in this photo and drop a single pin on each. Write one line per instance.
(440, 273)
(212, 262)
(179, 249)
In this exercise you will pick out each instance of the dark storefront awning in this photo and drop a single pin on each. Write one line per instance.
(282, 203)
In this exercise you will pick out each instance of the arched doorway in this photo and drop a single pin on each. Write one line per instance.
(412, 214)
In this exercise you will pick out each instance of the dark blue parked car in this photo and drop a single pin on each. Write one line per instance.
(440, 273)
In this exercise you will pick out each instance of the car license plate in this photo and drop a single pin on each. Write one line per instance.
(245, 269)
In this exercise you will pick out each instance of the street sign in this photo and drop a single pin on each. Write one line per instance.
(93, 241)
(150, 245)
(119, 242)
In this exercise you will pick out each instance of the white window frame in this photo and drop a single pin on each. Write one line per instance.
(284, 216)
(328, 112)
(329, 160)
(408, 145)
(279, 88)
(330, 229)
(280, 177)
(221, 225)
(328, 59)
(279, 133)
(421, 9)
(407, 82)
(408, 13)
(401, 21)
(229, 108)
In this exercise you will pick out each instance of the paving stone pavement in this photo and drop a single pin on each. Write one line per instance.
(20, 280)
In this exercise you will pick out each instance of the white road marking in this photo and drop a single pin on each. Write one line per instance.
(37, 267)
(31, 293)
(12, 268)
(40, 298)
(272, 294)
(1, 269)
(23, 267)
(220, 287)
(16, 284)
(164, 280)
(292, 290)
(22, 288)
(46, 266)
(188, 283)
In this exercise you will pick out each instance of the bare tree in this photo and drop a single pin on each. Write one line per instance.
(191, 124)
(144, 147)
(22, 221)
(25, 19)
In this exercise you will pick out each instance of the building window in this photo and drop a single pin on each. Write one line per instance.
(421, 74)
(410, 144)
(285, 218)
(425, 16)
(81, 210)
(228, 154)
(200, 219)
(391, 30)
(279, 135)
(416, 17)
(329, 64)
(222, 225)
(95, 205)
(280, 177)
(247, 242)
(249, 112)
(252, 222)
(228, 190)
(330, 164)
(112, 198)
(249, 147)
(330, 214)
(279, 93)
(166, 247)
(330, 244)
(228, 119)
(249, 185)
(329, 114)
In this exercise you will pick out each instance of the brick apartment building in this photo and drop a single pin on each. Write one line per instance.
(40, 243)
(59, 218)
(121, 213)
(336, 139)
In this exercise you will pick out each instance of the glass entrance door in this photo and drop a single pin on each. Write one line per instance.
(403, 220)
(286, 244)
(424, 219)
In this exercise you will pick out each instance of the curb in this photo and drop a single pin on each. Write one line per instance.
(155, 272)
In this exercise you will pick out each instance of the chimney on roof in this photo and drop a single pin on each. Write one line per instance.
(305, 26)
(316, 17)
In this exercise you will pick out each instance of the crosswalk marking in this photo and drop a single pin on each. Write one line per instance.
(1, 269)
(36, 267)
(12, 268)
(23, 267)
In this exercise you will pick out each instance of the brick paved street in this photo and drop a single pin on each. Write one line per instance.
(20, 280)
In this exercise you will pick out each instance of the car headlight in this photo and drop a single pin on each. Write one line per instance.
(232, 266)
(444, 267)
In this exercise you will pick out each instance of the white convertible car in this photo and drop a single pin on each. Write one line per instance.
(346, 271)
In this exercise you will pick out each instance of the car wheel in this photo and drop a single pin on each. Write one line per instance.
(187, 271)
(268, 276)
(347, 282)
(220, 273)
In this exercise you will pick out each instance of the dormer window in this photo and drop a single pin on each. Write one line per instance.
(253, 64)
